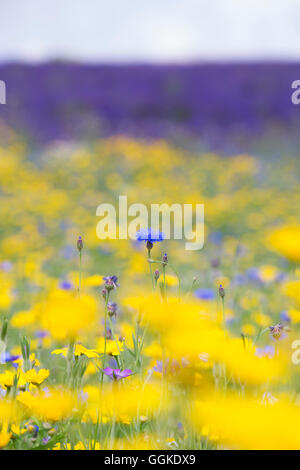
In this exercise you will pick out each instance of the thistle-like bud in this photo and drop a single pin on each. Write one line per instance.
(103, 293)
(165, 259)
(149, 245)
(109, 334)
(112, 308)
(221, 292)
(277, 330)
(111, 282)
(79, 244)
(156, 274)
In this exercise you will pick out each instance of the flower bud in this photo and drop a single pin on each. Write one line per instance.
(221, 292)
(112, 309)
(276, 331)
(156, 274)
(79, 244)
(149, 245)
(109, 334)
(111, 282)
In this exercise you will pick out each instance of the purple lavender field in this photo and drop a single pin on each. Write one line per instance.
(228, 107)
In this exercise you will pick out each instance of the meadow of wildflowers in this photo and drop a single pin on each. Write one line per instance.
(123, 344)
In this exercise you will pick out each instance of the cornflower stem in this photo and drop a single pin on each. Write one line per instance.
(223, 366)
(105, 332)
(150, 268)
(115, 340)
(223, 315)
(164, 277)
(191, 288)
(140, 344)
(80, 270)
(137, 342)
(175, 272)
(260, 333)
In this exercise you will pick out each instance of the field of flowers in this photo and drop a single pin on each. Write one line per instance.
(229, 107)
(122, 344)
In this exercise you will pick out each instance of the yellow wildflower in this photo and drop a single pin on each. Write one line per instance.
(36, 378)
(285, 240)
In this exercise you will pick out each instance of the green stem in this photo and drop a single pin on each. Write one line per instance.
(115, 340)
(223, 315)
(164, 277)
(79, 286)
(105, 332)
(191, 288)
(150, 268)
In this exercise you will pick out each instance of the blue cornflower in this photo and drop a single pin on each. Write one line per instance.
(111, 282)
(112, 308)
(239, 280)
(149, 235)
(159, 366)
(205, 294)
(67, 252)
(253, 275)
(66, 285)
(117, 374)
(268, 351)
(216, 238)
(41, 334)
(7, 357)
(6, 266)
(284, 316)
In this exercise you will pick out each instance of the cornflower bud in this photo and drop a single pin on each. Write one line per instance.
(165, 259)
(276, 331)
(109, 334)
(112, 309)
(79, 244)
(111, 282)
(149, 245)
(156, 274)
(221, 292)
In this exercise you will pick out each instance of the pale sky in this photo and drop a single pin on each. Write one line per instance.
(149, 30)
